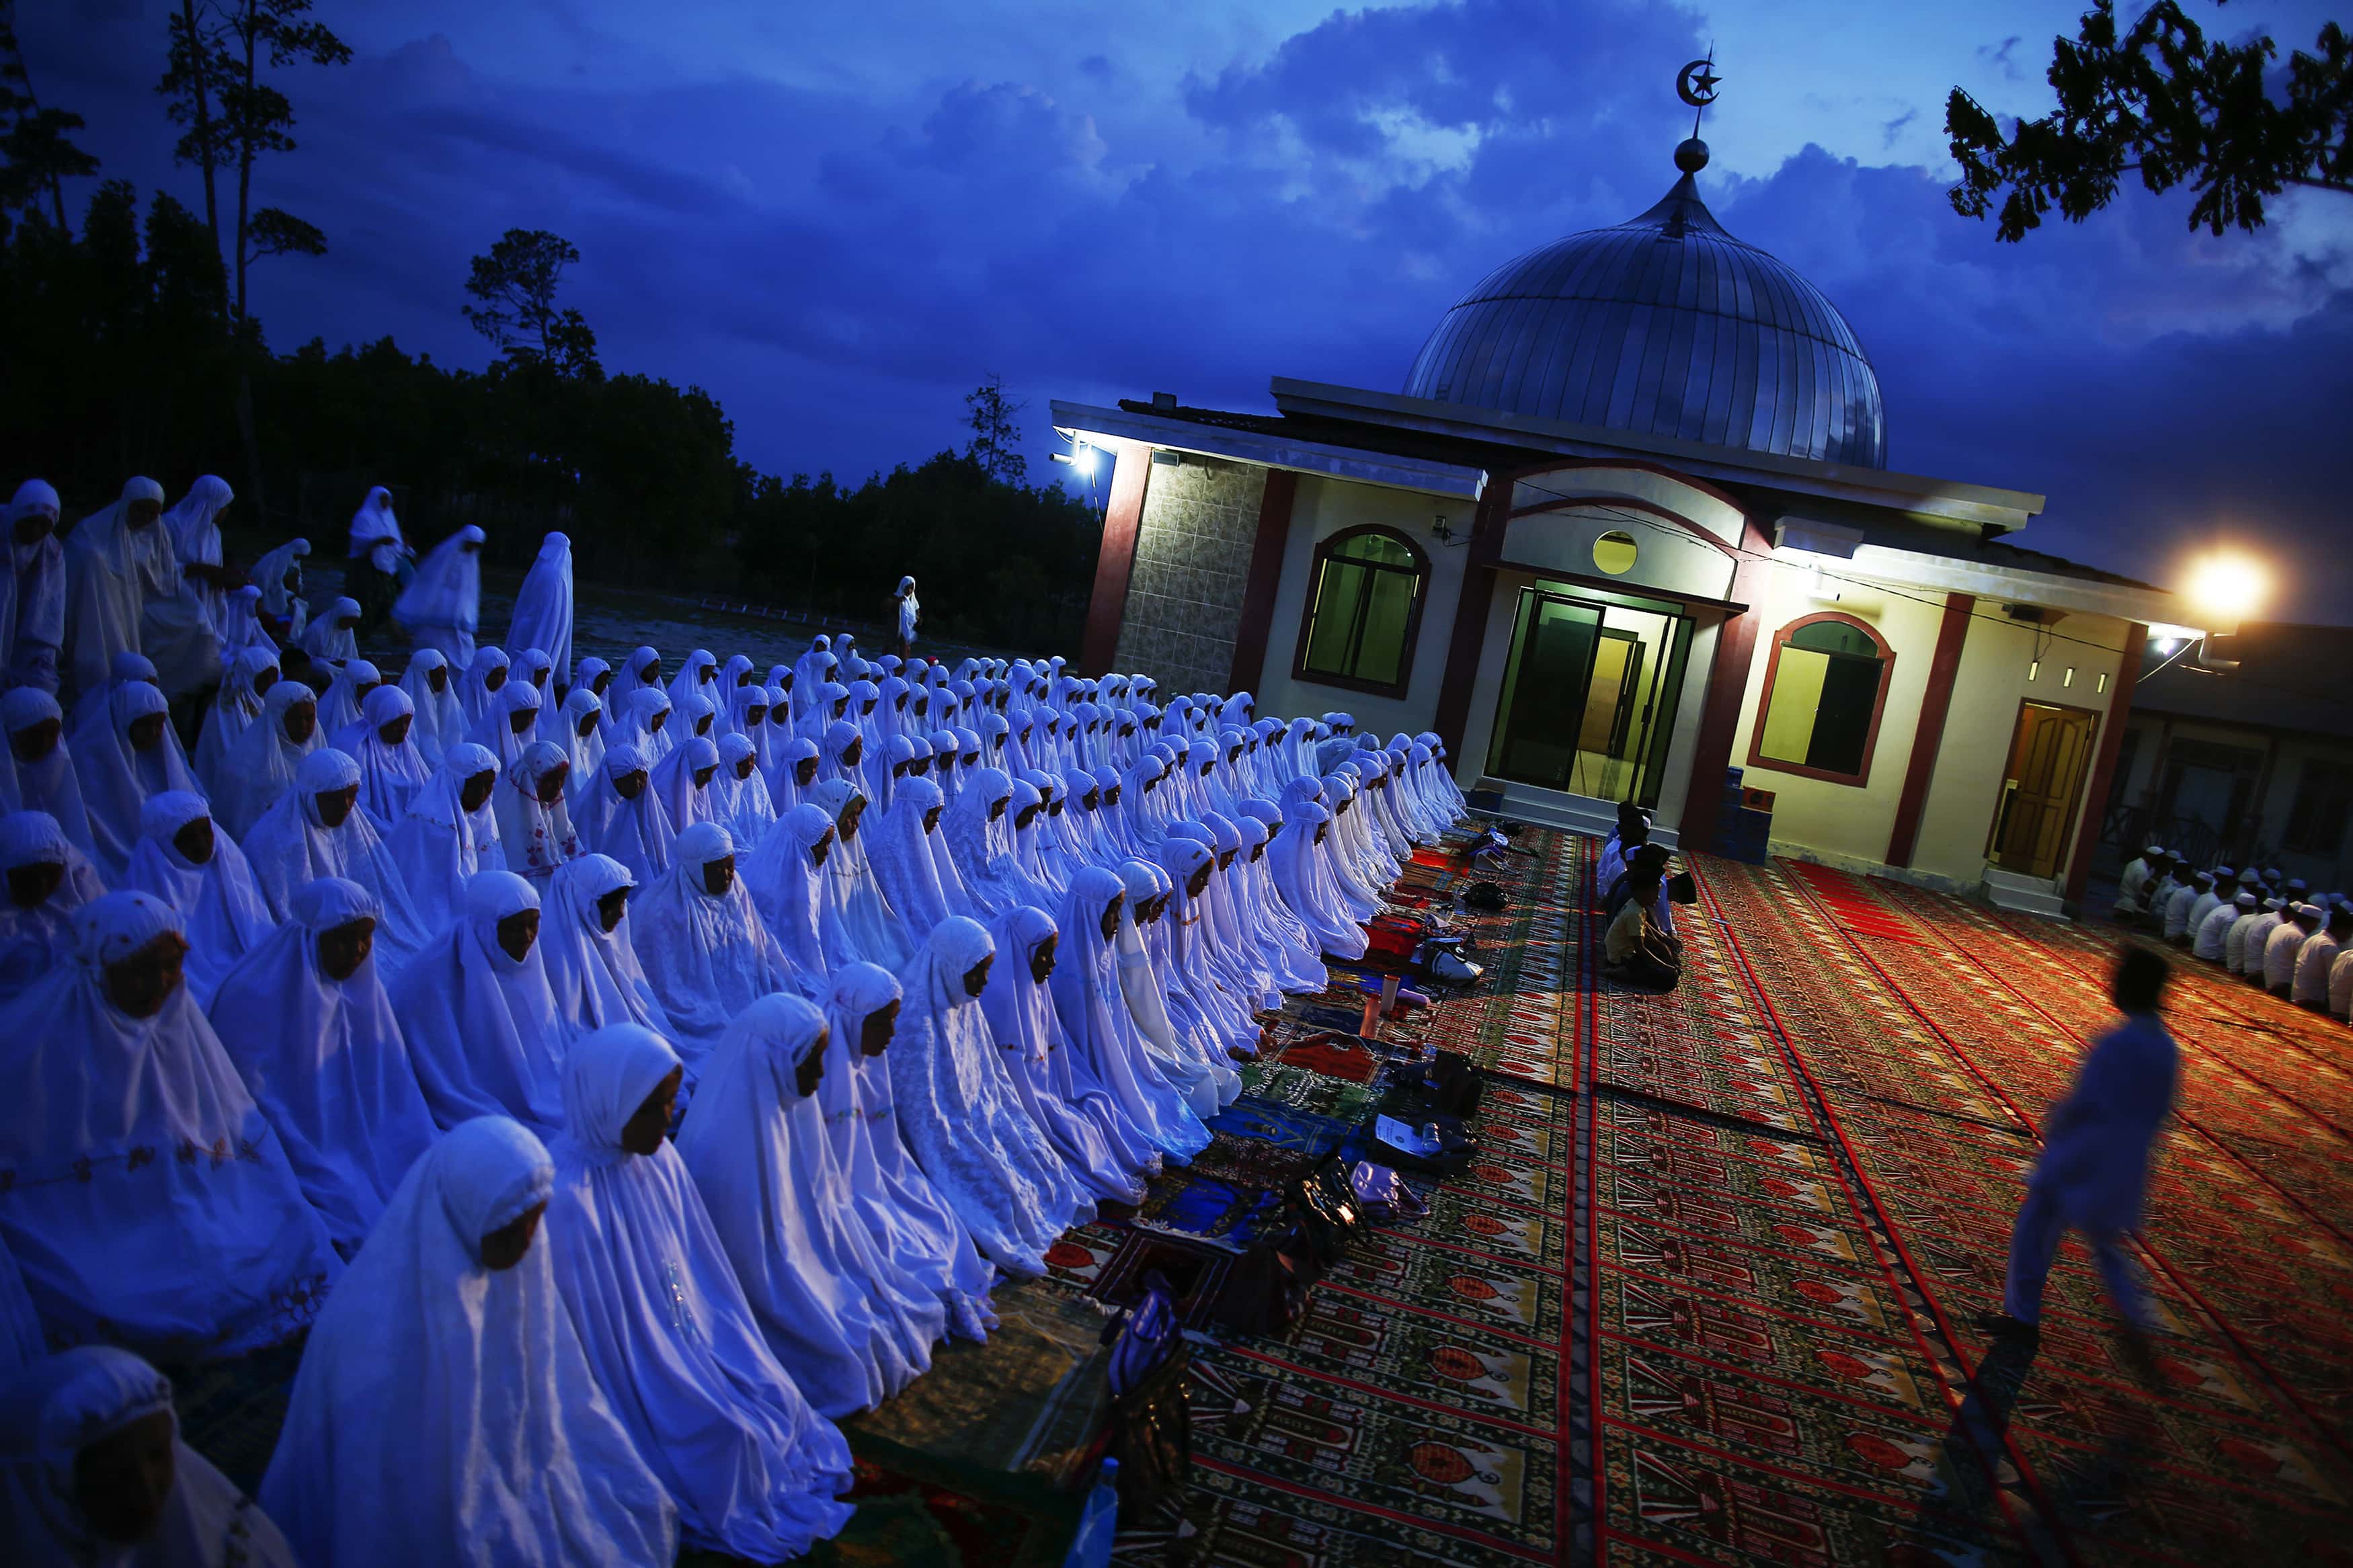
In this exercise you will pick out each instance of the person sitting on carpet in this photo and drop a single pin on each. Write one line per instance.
(1634, 951)
(2214, 932)
(2317, 958)
(2093, 1173)
(2180, 902)
(2283, 947)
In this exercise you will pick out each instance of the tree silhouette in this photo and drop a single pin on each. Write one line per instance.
(36, 158)
(995, 443)
(2160, 100)
(516, 284)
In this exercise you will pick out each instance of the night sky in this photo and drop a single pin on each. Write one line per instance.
(838, 218)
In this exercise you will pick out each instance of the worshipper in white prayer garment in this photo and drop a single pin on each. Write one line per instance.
(979, 840)
(381, 562)
(347, 686)
(124, 592)
(909, 858)
(485, 677)
(1303, 882)
(1037, 1061)
(508, 722)
(645, 724)
(2213, 933)
(619, 815)
(535, 831)
(786, 877)
(590, 955)
(279, 575)
(1181, 1047)
(448, 832)
(739, 796)
(855, 918)
(50, 881)
(38, 773)
(582, 735)
(316, 829)
(392, 769)
(442, 604)
(668, 1335)
(194, 529)
(2253, 938)
(2341, 985)
(236, 705)
(957, 1111)
(1089, 1004)
(543, 607)
(441, 721)
(681, 781)
(151, 1206)
(333, 635)
(487, 1442)
(533, 665)
(2214, 890)
(909, 615)
(238, 624)
(702, 667)
(484, 1032)
(1296, 957)
(305, 1019)
(2284, 946)
(843, 1318)
(126, 669)
(2134, 881)
(33, 596)
(201, 873)
(792, 773)
(2093, 1173)
(641, 671)
(1184, 941)
(125, 753)
(92, 1471)
(703, 945)
(2317, 958)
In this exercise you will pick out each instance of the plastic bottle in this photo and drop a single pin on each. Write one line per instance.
(1099, 1525)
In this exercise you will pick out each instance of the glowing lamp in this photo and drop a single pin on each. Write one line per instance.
(2228, 587)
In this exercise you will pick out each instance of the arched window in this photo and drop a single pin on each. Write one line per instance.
(1824, 689)
(1363, 605)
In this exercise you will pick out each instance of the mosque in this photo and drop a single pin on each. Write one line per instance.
(1627, 533)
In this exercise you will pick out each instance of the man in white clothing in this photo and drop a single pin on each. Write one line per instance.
(2180, 901)
(2341, 985)
(2254, 939)
(2286, 943)
(2318, 959)
(2217, 891)
(2213, 930)
(2135, 881)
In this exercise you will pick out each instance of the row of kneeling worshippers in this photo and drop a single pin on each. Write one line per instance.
(2271, 929)
(607, 1164)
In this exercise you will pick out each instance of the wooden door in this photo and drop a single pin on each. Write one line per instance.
(2050, 753)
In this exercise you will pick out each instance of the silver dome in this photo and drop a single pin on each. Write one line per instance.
(1665, 325)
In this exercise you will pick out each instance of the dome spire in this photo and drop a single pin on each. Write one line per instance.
(1697, 85)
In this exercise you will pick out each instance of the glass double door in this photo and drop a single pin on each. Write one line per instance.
(1588, 695)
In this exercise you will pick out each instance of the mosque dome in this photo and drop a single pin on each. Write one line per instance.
(1665, 325)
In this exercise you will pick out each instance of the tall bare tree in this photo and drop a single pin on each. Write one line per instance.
(36, 157)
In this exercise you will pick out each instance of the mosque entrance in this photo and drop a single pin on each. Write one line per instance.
(2049, 751)
(1589, 692)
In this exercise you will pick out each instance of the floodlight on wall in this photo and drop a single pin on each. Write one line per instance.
(1081, 460)
(2228, 586)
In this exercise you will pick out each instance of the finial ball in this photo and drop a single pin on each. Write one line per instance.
(1690, 155)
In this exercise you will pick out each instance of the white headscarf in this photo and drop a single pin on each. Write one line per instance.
(260, 764)
(667, 1332)
(699, 669)
(495, 726)
(292, 845)
(486, 1441)
(483, 1027)
(339, 706)
(739, 796)
(33, 941)
(1093, 1013)
(595, 972)
(440, 720)
(685, 801)
(634, 677)
(269, 574)
(221, 911)
(438, 845)
(581, 708)
(33, 596)
(62, 1405)
(1037, 1061)
(151, 1206)
(475, 692)
(957, 1112)
(442, 604)
(376, 532)
(825, 1293)
(635, 831)
(51, 783)
(330, 638)
(117, 778)
(236, 705)
(854, 917)
(535, 836)
(390, 775)
(327, 1061)
(196, 537)
(543, 610)
(708, 957)
(787, 886)
(115, 575)
(644, 722)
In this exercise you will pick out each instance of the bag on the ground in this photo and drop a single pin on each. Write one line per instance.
(1268, 1284)
(1383, 1195)
(1150, 1430)
(1486, 898)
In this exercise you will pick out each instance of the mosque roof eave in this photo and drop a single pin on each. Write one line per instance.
(1949, 500)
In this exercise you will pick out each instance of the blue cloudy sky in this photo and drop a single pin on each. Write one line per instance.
(839, 218)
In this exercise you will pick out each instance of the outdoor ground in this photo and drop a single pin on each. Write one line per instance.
(1706, 1294)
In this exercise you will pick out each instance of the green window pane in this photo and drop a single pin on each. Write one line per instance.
(1380, 656)
(1339, 609)
(1789, 731)
(1835, 636)
(1376, 547)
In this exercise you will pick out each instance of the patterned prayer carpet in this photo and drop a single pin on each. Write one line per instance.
(1707, 1293)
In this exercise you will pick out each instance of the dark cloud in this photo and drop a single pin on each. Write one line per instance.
(1889, 129)
(1999, 54)
(841, 269)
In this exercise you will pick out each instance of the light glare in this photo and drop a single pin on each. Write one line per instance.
(2228, 587)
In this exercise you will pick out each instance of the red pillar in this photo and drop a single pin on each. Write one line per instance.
(2103, 771)
(1107, 605)
(1274, 505)
(1933, 704)
(1719, 721)
(1476, 597)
